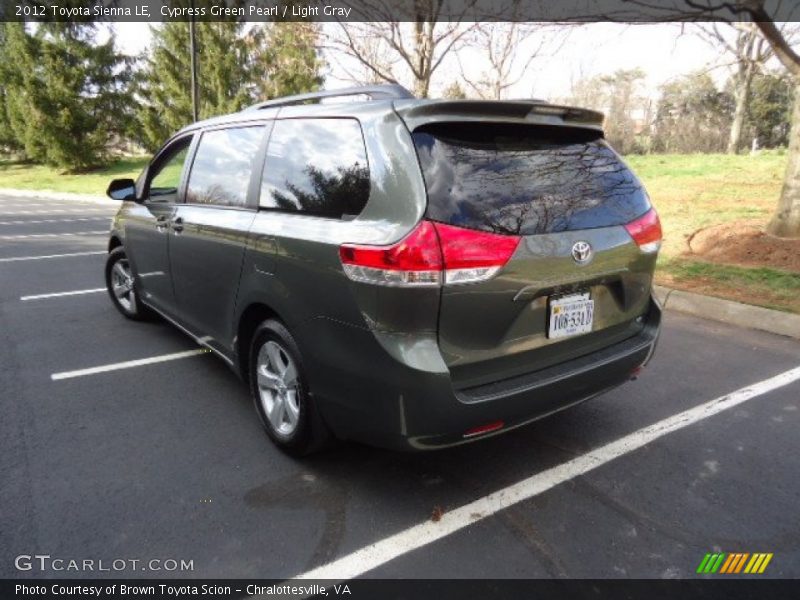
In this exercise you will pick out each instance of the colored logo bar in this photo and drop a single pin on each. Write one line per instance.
(734, 562)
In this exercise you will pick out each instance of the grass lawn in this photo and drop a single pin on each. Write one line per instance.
(762, 286)
(693, 191)
(36, 177)
(690, 191)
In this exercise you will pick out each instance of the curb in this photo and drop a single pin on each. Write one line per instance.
(728, 311)
(60, 196)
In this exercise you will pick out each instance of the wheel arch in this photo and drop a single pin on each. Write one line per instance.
(250, 318)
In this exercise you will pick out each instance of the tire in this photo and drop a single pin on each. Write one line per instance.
(280, 393)
(121, 288)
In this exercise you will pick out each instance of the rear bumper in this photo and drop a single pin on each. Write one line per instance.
(520, 400)
(367, 395)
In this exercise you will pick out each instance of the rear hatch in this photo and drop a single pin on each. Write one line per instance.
(579, 278)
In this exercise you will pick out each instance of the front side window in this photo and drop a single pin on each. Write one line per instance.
(165, 179)
(316, 167)
(222, 166)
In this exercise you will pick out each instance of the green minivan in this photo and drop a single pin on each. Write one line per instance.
(406, 273)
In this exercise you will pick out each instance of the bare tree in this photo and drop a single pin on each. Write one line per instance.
(785, 221)
(499, 45)
(620, 96)
(692, 115)
(454, 91)
(386, 48)
(582, 89)
(750, 51)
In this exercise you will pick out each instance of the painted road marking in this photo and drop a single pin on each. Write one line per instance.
(26, 205)
(44, 256)
(26, 236)
(370, 557)
(72, 211)
(20, 202)
(128, 364)
(59, 294)
(38, 221)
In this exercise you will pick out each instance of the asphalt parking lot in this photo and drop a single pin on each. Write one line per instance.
(168, 461)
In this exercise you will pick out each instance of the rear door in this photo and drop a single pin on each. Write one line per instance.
(576, 282)
(315, 183)
(208, 233)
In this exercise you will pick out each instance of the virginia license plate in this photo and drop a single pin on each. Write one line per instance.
(570, 315)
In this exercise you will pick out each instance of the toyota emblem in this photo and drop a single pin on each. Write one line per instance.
(582, 252)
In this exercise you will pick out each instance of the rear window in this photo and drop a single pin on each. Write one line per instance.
(525, 180)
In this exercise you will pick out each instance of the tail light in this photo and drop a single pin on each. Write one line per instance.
(414, 260)
(646, 231)
(432, 254)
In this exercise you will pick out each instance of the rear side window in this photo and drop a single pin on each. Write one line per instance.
(222, 166)
(525, 180)
(316, 167)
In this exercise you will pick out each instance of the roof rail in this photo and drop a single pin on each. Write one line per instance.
(375, 92)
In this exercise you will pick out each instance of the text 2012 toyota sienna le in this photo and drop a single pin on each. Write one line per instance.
(406, 273)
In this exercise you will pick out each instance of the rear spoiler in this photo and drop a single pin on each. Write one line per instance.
(416, 113)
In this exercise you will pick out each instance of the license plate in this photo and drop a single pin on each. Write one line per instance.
(570, 315)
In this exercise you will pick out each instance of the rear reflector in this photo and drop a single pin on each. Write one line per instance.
(432, 254)
(646, 231)
(483, 429)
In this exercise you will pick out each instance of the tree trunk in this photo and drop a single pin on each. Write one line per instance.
(742, 97)
(786, 220)
(421, 87)
(423, 57)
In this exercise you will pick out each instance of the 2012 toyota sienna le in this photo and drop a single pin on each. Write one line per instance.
(406, 273)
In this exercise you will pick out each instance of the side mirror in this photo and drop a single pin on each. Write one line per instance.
(122, 189)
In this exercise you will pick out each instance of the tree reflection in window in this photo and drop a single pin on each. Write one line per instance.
(525, 180)
(222, 166)
(332, 195)
(165, 177)
(317, 167)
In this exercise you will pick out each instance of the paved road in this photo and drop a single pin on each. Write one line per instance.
(167, 461)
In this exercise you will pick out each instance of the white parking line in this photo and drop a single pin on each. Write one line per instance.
(26, 236)
(38, 221)
(71, 211)
(361, 561)
(128, 364)
(55, 207)
(25, 205)
(44, 256)
(59, 294)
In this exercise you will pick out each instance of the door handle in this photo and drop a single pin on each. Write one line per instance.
(177, 224)
(162, 223)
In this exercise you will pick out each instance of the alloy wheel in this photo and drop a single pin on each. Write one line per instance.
(278, 388)
(122, 285)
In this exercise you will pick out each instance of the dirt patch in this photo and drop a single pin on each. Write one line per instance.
(744, 243)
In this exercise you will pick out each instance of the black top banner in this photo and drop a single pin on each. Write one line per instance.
(585, 11)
